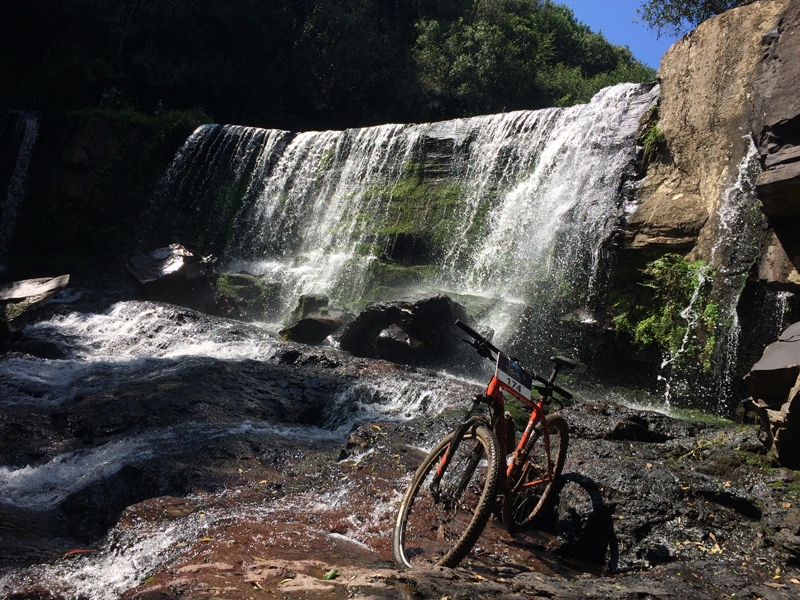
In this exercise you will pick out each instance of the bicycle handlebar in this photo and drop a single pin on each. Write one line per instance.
(482, 341)
(481, 344)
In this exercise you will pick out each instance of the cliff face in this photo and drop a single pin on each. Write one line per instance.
(775, 124)
(90, 175)
(707, 95)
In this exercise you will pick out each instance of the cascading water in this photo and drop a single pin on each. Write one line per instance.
(508, 212)
(737, 227)
(21, 131)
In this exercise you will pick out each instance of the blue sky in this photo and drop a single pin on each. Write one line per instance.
(615, 20)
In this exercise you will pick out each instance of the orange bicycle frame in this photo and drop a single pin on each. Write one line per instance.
(495, 391)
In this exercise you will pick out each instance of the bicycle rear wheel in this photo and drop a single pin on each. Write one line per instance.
(442, 528)
(526, 501)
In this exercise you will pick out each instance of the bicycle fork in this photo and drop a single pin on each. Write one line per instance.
(475, 456)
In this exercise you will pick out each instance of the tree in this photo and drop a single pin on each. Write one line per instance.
(676, 17)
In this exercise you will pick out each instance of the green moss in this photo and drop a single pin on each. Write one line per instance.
(672, 310)
(262, 296)
(325, 160)
(12, 310)
(396, 276)
(652, 139)
(699, 416)
(414, 206)
(367, 250)
(757, 461)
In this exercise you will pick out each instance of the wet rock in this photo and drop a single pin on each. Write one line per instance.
(310, 330)
(649, 505)
(308, 305)
(395, 345)
(176, 275)
(19, 298)
(428, 319)
(775, 387)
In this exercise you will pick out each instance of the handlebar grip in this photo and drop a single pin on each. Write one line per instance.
(477, 336)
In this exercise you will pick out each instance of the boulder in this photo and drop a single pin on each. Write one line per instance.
(176, 275)
(19, 298)
(311, 330)
(308, 304)
(774, 383)
(395, 345)
(773, 376)
(428, 320)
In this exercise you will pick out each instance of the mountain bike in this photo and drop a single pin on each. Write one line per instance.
(453, 492)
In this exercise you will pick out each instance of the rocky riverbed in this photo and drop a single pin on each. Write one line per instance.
(196, 457)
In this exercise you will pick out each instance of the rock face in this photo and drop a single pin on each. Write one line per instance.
(254, 298)
(775, 125)
(706, 79)
(312, 321)
(774, 382)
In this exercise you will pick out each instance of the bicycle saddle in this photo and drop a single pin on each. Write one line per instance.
(564, 362)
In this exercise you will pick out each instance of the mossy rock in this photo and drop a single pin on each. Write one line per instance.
(478, 306)
(367, 250)
(397, 276)
(417, 218)
(309, 304)
(262, 298)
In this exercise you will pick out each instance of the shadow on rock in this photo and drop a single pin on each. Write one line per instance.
(584, 521)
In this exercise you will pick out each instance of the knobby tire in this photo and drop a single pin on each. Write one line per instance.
(523, 506)
(442, 532)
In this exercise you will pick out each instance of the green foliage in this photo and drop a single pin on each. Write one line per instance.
(673, 311)
(304, 64)
(676, 17)
(652, 140)
(514, 54)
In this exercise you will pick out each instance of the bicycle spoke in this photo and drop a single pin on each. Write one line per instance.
(441, 528)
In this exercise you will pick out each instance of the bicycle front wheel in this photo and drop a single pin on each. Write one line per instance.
(440, 526)
(534, 490)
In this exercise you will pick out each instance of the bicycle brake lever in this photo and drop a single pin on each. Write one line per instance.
(479, 348)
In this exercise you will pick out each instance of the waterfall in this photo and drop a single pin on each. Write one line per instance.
(22, 129)
(511, 213)
(736, 227)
